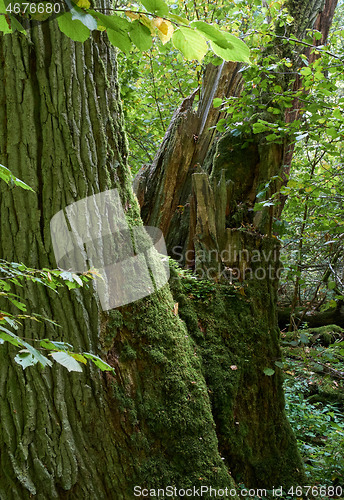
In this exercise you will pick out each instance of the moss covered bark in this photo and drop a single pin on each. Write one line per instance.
(87, 435)
(235, 333)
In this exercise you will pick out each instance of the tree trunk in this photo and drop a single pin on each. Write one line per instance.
(85, 435)
(206, 211)
(189, 402)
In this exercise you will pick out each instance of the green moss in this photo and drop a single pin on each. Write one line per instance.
(128, 353)
(236, 337)
(164, 397)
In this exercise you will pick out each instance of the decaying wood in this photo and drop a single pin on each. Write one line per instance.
(195, 172)
(163, 189)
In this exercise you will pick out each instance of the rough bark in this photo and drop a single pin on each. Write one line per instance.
(235, 330)
(87, 435)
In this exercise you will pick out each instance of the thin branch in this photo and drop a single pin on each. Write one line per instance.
(155, 94)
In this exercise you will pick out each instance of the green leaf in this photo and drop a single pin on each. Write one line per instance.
(331, 285)
(120, 40)
(304, 339)
(141, 36)
(178, 19)
(54, 345)
(18, 304)
(190, 43)
(113, 22)
(239, 53)
(4, 27)
(73, 29)
(158, 7)
(78, 357)
(7, 176)
(24, 358)
(212, 33)
(271, 137)
(332, 132)
(67, 361)
(317, 35)
(259, 127)
(77, 279)
(337, 114)
(11, 322)
(36, 354)
(269, 371)
(8, 336)
(66, 276)
(98, 362)
(86, 19)
(220, 126)
(306, 71)
(16, 25)
(217, 102)
(279, 364)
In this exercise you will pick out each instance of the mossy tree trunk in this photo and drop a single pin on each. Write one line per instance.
(87, 435)
(207, 213)
(189, 401)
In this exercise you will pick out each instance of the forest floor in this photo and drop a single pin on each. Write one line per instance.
(314, 387)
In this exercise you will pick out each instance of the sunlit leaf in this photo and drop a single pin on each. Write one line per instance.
(211, 32)
(165, 29)
(24, 358)
(54, 345)
(190, 43)
(4, 26)
(98, 362)
(239, 53)
(217, 102)
(83, 4)
(7, 176)
(178, 19)
(8, 336)
(67, 361)
(79, 357)
(158, 7)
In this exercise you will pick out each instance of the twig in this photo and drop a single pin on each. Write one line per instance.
(155, 94)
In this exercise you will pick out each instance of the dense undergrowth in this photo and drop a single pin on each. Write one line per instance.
(314, 371)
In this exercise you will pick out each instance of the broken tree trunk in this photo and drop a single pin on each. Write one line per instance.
(164, 188)
(201, 191)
